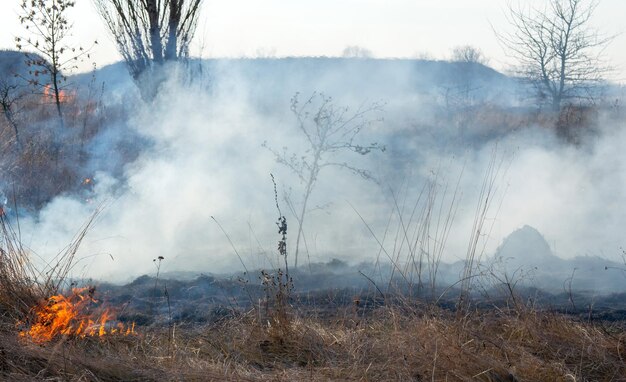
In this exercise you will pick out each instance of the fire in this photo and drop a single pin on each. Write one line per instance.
(64, 96)
(73, 316)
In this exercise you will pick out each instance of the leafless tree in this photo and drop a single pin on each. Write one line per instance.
(48, 27)
(468, 53)
(150, 33)
(328, 130)
(355, 51)
(557, 48)
(10, 94)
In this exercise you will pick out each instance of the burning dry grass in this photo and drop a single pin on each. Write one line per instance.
(75, 315)
(393, 343)
(24, 286)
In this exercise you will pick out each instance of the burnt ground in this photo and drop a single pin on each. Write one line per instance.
(327, 295)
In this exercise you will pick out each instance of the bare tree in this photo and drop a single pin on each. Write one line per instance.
(355, 51)
(468, 53)
(150, 33)
(9, 96)
(47, 22)
(328, 129)
(557, 49)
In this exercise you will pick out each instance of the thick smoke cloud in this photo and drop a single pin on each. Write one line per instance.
(206, 160)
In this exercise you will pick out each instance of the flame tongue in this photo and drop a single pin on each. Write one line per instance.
(73, 315)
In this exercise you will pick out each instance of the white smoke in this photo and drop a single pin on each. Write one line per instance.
(206, 161)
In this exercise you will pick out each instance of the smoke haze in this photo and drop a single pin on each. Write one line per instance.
(205, 159)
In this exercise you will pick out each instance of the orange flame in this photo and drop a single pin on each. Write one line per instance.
(64, 96)
(70, 316)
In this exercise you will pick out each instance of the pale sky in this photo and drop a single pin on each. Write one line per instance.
(388, 28)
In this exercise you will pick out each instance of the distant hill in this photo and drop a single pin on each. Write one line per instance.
(451, 83)
(14, 68)
(13, 65)
(362, 79)
(12, 61)
(114, 76)
(267, 80)
(372, 79)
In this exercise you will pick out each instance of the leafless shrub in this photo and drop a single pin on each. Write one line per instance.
(468, 54)
(329, 130)
(355, 51)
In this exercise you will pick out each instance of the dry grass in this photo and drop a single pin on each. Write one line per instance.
(23, 286)
(48, 160)
(393, 343)
(18, 289)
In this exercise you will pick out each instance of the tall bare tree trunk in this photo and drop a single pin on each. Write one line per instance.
(155, 32)
(57, 97)
(171, 49)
